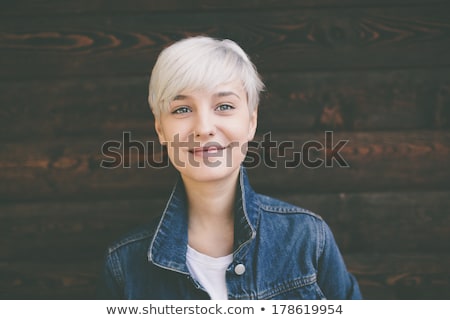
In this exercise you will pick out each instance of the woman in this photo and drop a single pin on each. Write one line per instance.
(217, 238)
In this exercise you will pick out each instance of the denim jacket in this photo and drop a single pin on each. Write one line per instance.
(281, 251)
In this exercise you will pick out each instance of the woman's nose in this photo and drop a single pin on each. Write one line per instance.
(204, 124)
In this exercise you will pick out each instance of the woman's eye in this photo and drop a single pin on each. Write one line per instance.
(224, 107)
(181, 110)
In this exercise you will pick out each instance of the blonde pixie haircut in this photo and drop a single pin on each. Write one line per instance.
(201, 63)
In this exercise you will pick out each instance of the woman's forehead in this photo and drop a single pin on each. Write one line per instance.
(232, 88)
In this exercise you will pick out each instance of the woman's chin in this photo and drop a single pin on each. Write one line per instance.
(209, 172)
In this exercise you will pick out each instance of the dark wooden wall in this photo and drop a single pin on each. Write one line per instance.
(74, 74)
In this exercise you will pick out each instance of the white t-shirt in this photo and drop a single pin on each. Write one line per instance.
(209, 272)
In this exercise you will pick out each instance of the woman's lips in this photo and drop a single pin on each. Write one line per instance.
(209, 150)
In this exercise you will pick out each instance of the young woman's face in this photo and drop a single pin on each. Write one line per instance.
(206, 132)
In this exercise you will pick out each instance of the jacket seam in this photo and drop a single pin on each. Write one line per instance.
(282, 288)
(116, 269)
(288, 209)
(127, 241)
(320, 243)
(289, 286)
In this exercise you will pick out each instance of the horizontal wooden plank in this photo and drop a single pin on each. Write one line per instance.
(374, 161)
(390, 277)
(362, 100)
(361, 222)
(316, 162)
(77, 107)
(383, 222)
(43, 230)
(293, 102)
(39, 47)
(399, 276)
(56, 7)
(22, 280)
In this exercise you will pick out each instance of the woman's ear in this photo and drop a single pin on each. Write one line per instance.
(160, 132)
(253, 123)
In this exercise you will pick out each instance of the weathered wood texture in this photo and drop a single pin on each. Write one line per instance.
(369, 223)
(293, 102)
(386, 237)
(27, 7)
(414, 277)
(73, 169)
(279, 40)
(74, 75)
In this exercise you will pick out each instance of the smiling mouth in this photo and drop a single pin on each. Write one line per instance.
(207, 150)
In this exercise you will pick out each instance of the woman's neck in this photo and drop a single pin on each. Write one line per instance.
(211, 215)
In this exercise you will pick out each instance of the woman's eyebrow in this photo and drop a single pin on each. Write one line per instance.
(226, 93)
(218, 95)
(180, 97)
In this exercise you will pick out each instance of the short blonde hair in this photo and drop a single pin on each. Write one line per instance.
(201, 63)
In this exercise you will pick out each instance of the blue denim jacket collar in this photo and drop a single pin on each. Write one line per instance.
(169, 244)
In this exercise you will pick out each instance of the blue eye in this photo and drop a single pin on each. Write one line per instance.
(181, 110)
(224, 107)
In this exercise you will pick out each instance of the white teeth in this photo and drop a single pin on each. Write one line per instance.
(212, 149)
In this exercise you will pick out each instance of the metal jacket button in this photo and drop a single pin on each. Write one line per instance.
(239, 269)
